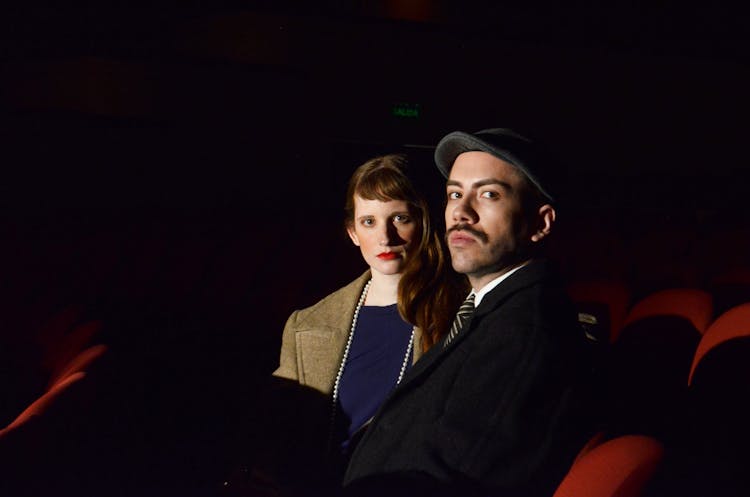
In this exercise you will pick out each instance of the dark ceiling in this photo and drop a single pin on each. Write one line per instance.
(651, 97)
(713, 29)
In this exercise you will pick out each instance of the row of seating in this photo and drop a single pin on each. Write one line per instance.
(673, 371)
(41, 436)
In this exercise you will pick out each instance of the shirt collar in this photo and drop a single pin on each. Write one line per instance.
(479, 294)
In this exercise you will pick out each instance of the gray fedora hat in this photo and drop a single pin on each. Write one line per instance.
(503, 143)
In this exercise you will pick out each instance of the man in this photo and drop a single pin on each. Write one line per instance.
(498, 407)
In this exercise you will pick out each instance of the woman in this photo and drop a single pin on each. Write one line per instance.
(356, 344)
(342, 356)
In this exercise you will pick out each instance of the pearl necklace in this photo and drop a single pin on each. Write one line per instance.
(349, 341)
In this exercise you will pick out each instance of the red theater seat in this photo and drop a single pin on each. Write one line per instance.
(42, 404)
(621, 467)
(732, 324)
(650, 362)
(68, 346)
(33, 445)
(689, 303)
(80, 363)
(719, 402)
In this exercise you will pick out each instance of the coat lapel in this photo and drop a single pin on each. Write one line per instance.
(522, 278)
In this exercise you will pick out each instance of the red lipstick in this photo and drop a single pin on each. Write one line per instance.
(387, 256)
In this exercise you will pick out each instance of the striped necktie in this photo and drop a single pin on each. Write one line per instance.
(461, 316)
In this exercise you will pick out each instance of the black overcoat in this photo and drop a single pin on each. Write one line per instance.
(502, 410)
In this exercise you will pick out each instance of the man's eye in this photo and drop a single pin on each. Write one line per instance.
(490, 194)
(454, 195)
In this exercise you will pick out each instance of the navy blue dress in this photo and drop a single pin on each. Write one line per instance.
(373, 364)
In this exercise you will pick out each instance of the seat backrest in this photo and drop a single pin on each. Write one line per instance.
(650, 361)
(690, 303)
(70, 344)
(732, 324)
(719, 395)
(80, 363)
(44, 402)
(620, 467)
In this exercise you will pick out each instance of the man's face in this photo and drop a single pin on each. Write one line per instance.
(487, 231)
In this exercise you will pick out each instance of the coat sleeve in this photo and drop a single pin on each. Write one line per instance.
(288, 356)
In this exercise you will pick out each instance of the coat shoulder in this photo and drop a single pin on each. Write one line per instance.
(332, 307)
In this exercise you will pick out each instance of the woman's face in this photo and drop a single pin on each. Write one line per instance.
(383, 231)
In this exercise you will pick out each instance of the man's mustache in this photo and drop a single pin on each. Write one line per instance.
(481, 235)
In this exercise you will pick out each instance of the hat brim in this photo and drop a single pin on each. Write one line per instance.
(458, 142)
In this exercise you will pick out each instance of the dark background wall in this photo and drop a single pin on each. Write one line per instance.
(654, 93)
(177, 169)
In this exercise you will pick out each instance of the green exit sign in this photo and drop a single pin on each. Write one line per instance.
(410, 111)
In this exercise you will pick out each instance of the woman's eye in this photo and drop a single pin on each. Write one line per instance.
(401, 218)
(368, 222)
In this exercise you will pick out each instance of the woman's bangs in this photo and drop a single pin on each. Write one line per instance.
(384, 185)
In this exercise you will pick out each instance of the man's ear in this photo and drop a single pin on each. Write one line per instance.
(546, 219)
(353, 235)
